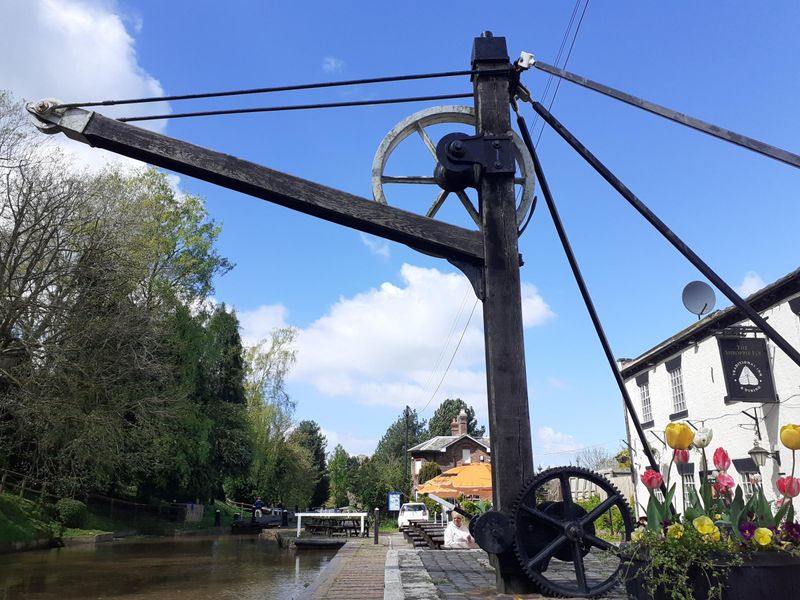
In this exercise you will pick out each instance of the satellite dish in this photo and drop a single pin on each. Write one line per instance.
(699, 298)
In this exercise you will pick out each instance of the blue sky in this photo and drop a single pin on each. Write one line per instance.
(379, 322)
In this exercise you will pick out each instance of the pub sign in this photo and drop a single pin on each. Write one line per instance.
(745, 365)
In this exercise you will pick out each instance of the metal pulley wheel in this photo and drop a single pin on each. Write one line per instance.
(492, 531)
(555, 539)
(417, 123)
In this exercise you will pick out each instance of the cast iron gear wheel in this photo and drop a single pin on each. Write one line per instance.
(551, 531)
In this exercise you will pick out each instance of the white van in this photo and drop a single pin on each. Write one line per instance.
(412, 511)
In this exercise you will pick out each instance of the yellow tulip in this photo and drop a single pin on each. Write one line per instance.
(675, 531)
(790, 436)
(679, 436)
(762, 536)
(704, 525)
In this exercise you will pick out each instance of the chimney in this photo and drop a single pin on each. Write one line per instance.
(462, 422)
(455, 427)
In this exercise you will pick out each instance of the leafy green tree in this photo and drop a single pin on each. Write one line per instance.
(339, 475)
(449, 410)
(428, 471)
(309, 435)
(377, 477)
(282, 470)
(393, 442)
(97, 389)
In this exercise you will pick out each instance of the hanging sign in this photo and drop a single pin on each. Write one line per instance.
(745, 365)
(394, 501)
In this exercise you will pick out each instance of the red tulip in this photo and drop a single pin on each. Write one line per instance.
(789, 486)
(724, 484)
(721, 459)
(681, 457)
(652, 480)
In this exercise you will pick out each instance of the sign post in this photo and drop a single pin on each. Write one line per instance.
(746, 369)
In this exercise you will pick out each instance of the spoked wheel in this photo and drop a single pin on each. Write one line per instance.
(418, 123)
(556, 539)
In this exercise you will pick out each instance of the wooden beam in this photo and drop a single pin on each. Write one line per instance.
(421, 233)
(506, 382)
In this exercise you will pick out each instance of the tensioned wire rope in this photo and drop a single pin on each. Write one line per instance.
(284, 88)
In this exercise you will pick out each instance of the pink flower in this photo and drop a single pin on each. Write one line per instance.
(788, 486)
(681, 457)
(724, 483)
(721, 459)
(652, 479)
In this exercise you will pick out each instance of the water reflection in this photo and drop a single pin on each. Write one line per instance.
(197, 568)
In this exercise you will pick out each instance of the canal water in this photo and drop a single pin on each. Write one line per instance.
(182, 568)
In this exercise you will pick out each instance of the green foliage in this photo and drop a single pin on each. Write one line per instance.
(282, 469)
(375, 478)
(22, 520)
(340, 477)
(309, 435)
(623, 459)
(611, 520)
(428, 471)
(672, 566)
(101, 388)
(71, 513)
(393, 442)
(447, 411)
(434, 508)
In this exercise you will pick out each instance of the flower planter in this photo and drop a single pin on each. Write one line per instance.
(766, 575)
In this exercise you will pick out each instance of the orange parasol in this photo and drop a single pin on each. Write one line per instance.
(470, 480)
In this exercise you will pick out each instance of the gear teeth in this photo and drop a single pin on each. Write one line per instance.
(549, 587)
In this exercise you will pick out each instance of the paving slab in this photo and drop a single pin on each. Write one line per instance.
(356, 572)
(468, 575)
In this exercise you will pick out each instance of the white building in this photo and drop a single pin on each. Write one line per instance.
(684, 379)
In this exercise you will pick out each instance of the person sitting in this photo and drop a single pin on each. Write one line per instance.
(455, 536)
(259, 504)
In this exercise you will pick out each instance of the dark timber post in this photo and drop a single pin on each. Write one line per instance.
(509, 424)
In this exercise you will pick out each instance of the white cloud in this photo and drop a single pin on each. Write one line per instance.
(257, 324)
(332, 65)
(75, 50)
(391, 345)
(751, 283)
(535, 310)
(377, 246)
(549, 441)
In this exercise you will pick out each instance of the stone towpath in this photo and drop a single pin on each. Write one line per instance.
(393, 570)
(356, 572)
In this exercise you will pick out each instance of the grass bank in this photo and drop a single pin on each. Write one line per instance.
(22, 520)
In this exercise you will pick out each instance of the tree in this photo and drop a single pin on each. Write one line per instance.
(393, 442)
(282, 470)
(449, 410)
(309, 435)
(428, 471)
(377, 477)
(339, 475)
(594, 458)
(92, 271)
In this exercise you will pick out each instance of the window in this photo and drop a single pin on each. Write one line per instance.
(748, 484)
(676, 385)
(465, 460)
(644, 395)
(417, 466)
(688, 484)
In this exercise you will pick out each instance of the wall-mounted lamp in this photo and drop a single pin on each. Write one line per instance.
(760, 455)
